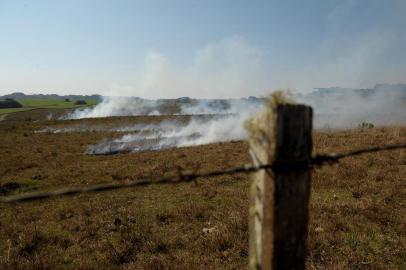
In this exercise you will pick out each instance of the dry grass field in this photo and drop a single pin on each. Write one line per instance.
(357, 212)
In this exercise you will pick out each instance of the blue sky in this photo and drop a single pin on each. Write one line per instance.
(203, 48)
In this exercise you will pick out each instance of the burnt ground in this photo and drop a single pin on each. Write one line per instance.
(357, 216)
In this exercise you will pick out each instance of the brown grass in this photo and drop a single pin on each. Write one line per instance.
(357, 207)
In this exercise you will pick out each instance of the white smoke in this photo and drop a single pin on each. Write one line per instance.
(139, 128)
(334, 108)
(222, 120)
(116, 106)
(130, 106)
(229, 68)
(222, 106)
(341, 108)
(169, 135)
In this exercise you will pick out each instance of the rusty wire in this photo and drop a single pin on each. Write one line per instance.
(188, 176)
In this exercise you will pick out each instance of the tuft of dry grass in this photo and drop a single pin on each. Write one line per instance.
(258, 126)
(357, 217)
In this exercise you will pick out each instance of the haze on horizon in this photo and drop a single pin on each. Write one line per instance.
(204, 49)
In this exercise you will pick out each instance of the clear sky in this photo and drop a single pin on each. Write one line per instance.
(205, 48)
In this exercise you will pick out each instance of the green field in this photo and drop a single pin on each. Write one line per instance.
(29, 104)
(52, 103)
(13, 110)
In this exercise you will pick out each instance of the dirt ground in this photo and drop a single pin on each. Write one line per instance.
(357, 211)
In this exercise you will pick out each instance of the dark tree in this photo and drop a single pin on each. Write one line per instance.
(10, 103)
(80, 102)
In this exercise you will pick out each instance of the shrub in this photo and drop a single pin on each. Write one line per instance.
(366, 125)
(80, 102)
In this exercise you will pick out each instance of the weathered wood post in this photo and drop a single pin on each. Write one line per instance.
(279, 197)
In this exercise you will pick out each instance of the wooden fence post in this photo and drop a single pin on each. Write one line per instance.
(279, 197)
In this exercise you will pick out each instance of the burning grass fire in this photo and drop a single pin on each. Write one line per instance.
(197, 122)
(208, 121)
(55, 153)
(160, 105)
(357, 205)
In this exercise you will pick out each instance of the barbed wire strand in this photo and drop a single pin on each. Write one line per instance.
(181, 177)
(187, 176)
(334, 158)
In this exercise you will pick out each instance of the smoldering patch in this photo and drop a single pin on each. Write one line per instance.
(170, 135)
(137, 143)
(130, 106)
(140, 127)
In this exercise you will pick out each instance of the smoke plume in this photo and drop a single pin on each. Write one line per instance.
(341, 108)
(170, 135)
(335, 108)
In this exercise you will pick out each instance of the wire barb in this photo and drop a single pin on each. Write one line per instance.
(188, 176)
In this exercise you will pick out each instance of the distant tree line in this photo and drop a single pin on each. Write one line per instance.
(22, 96)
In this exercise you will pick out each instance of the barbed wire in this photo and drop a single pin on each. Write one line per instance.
(172, 179)
(188, 176)
(334, 158)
